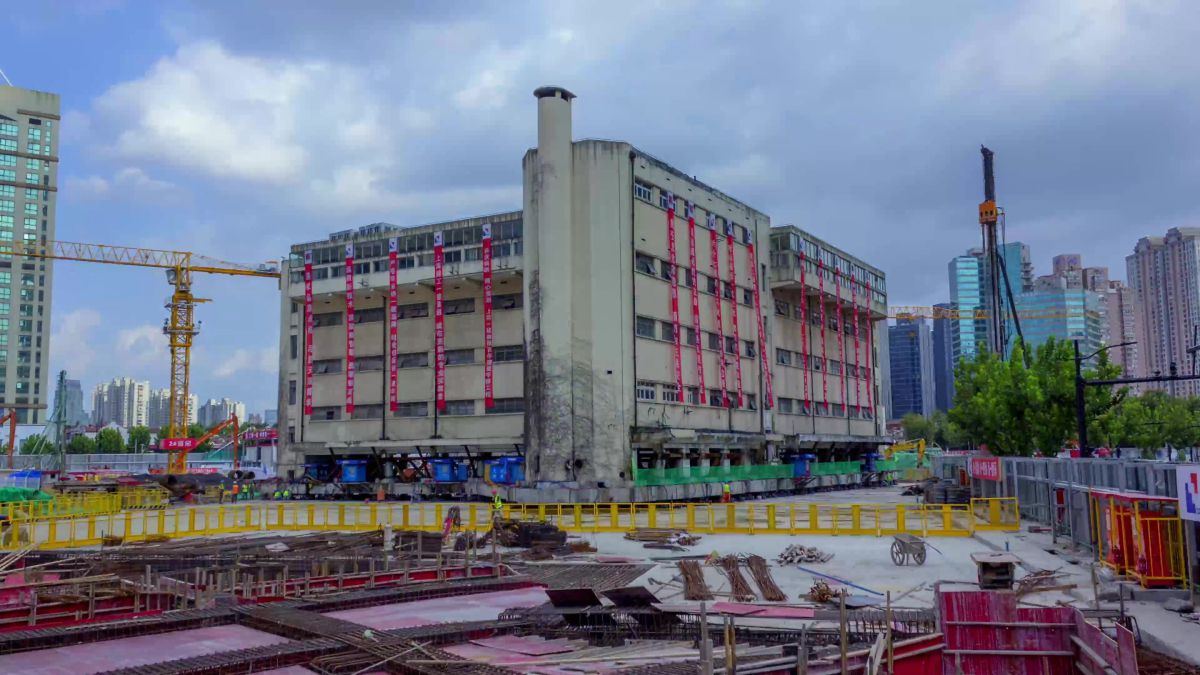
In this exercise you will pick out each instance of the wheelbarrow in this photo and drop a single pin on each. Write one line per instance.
(907, 547)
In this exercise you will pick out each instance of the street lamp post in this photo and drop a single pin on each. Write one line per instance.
(1080, 384)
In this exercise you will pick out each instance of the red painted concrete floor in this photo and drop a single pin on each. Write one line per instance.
(481, 607)
(136, 651)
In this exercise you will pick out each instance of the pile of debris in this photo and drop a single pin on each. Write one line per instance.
(526, 534)
(663, 538)
(821, 592)
(797, 554)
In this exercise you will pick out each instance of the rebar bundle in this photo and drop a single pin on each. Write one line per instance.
(694, 586)
(762, 576)
(738, 586)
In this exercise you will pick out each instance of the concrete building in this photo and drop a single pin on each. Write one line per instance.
(214, 411)
(29, 135)
(159, 414)
(584, 335)
(124, 402)
(1164, 277)
(910, 344)
(943, 360)
(270, 417)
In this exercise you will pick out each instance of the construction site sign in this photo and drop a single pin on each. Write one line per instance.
(308, 332)
(351, 321)
(690, 208)
(986, 468)
(439, 325)
(488, 361)
(393, 321)
(1187, 477)
(177, 443)
(674, 268)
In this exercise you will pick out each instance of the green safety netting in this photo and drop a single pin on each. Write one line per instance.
(18, 494)
(834, 468)
(710, 474)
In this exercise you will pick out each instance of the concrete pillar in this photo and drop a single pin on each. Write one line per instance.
(548, 289)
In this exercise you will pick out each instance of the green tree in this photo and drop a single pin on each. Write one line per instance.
(916, 426)
(139, 439)
(81, 445)
(109, 441)
(36, 444)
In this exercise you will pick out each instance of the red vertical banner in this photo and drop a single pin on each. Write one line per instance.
(695, 277)
(716, 269)
(870, 349)
(857, 356)
(752, 259)
(393, 325)
(824, 361)
(439, 326)
(841, 332)
(733, 309)
(672, 261)
(351, 324)
(804, 364)
(308, 332)
(489, 398)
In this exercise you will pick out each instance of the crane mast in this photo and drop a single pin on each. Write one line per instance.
(993, 264)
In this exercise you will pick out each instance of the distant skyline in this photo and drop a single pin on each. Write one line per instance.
(187, 126)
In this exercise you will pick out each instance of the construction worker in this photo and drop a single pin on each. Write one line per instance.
(236, 488)
(277, 494)
(497, 505)
(221, 493)
(726, 496)
(287, 494)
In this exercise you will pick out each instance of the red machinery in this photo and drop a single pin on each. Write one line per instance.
(180, 447)
(1139, 536)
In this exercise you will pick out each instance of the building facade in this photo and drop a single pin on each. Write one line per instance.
(215, 411)
(1164, 276)
(618, 364)
(73, 412)
(910, 345)
(124, 402)
(1055, 308)
(943, 358)
(159, 413)
(968, 332)
(29, 134)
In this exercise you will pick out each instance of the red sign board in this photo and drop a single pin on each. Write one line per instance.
(177, 443)
(985, 468)
(261, 435)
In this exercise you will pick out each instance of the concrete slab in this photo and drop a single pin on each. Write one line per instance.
(136, 651)
(479, 607)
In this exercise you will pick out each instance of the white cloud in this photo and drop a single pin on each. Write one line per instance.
(129, 182)
(142, 346)
(87, 187)
(249, 361)
(72, 341)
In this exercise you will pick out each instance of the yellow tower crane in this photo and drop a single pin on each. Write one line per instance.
(180, 328)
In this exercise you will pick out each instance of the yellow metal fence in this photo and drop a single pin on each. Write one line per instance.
(792, 518)
(85, 504)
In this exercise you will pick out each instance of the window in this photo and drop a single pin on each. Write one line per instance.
(8, 160)
(460, 306)
(35, 134)
(835, 367)
(25, 325)
(291, 392)
(8, 129)
(781, 308)
(689, 335)
(670, 393)
(413, 409)
(507, 301)
(714, 397)
(369, 363)
(710, 285)
(373, 411)
(783, 357)
(832, 322)
(640, 190)
(327, 413)
(506, 406)
(457, 357)
(668, 331)
(751, 401)
(693, 395)
(839, 410)
(7, 205)
(662, 199)
(727, 292)
(413, 360)
(646, 391)
(665, 271)
(326, 366)
(644, 263)
(748, 348)
(413, 311)
(730, 345)
(816, 362)
(31, 194)
(785, 406)
(685, 275)
(369, 315)
(453, 408)
(508, 353)
(31, 209)
(327, 319)
(293, 346)
(7, 190)
(644, 327)
(804, 407)
(8, 144)
(747, 297)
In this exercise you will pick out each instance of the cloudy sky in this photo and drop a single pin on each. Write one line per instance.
(233, 128)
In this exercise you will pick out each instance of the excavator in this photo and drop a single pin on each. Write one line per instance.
(177, 463)
(917, 444)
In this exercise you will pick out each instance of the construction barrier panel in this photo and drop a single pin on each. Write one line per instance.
(71, 505)
(790, 518)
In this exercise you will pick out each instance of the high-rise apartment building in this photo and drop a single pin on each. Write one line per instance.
(215, 411)
(160, 409)
(968, 334)
(124, 402)
(29, 135)
(943, 359)
(1164, 275)
(910, 344)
